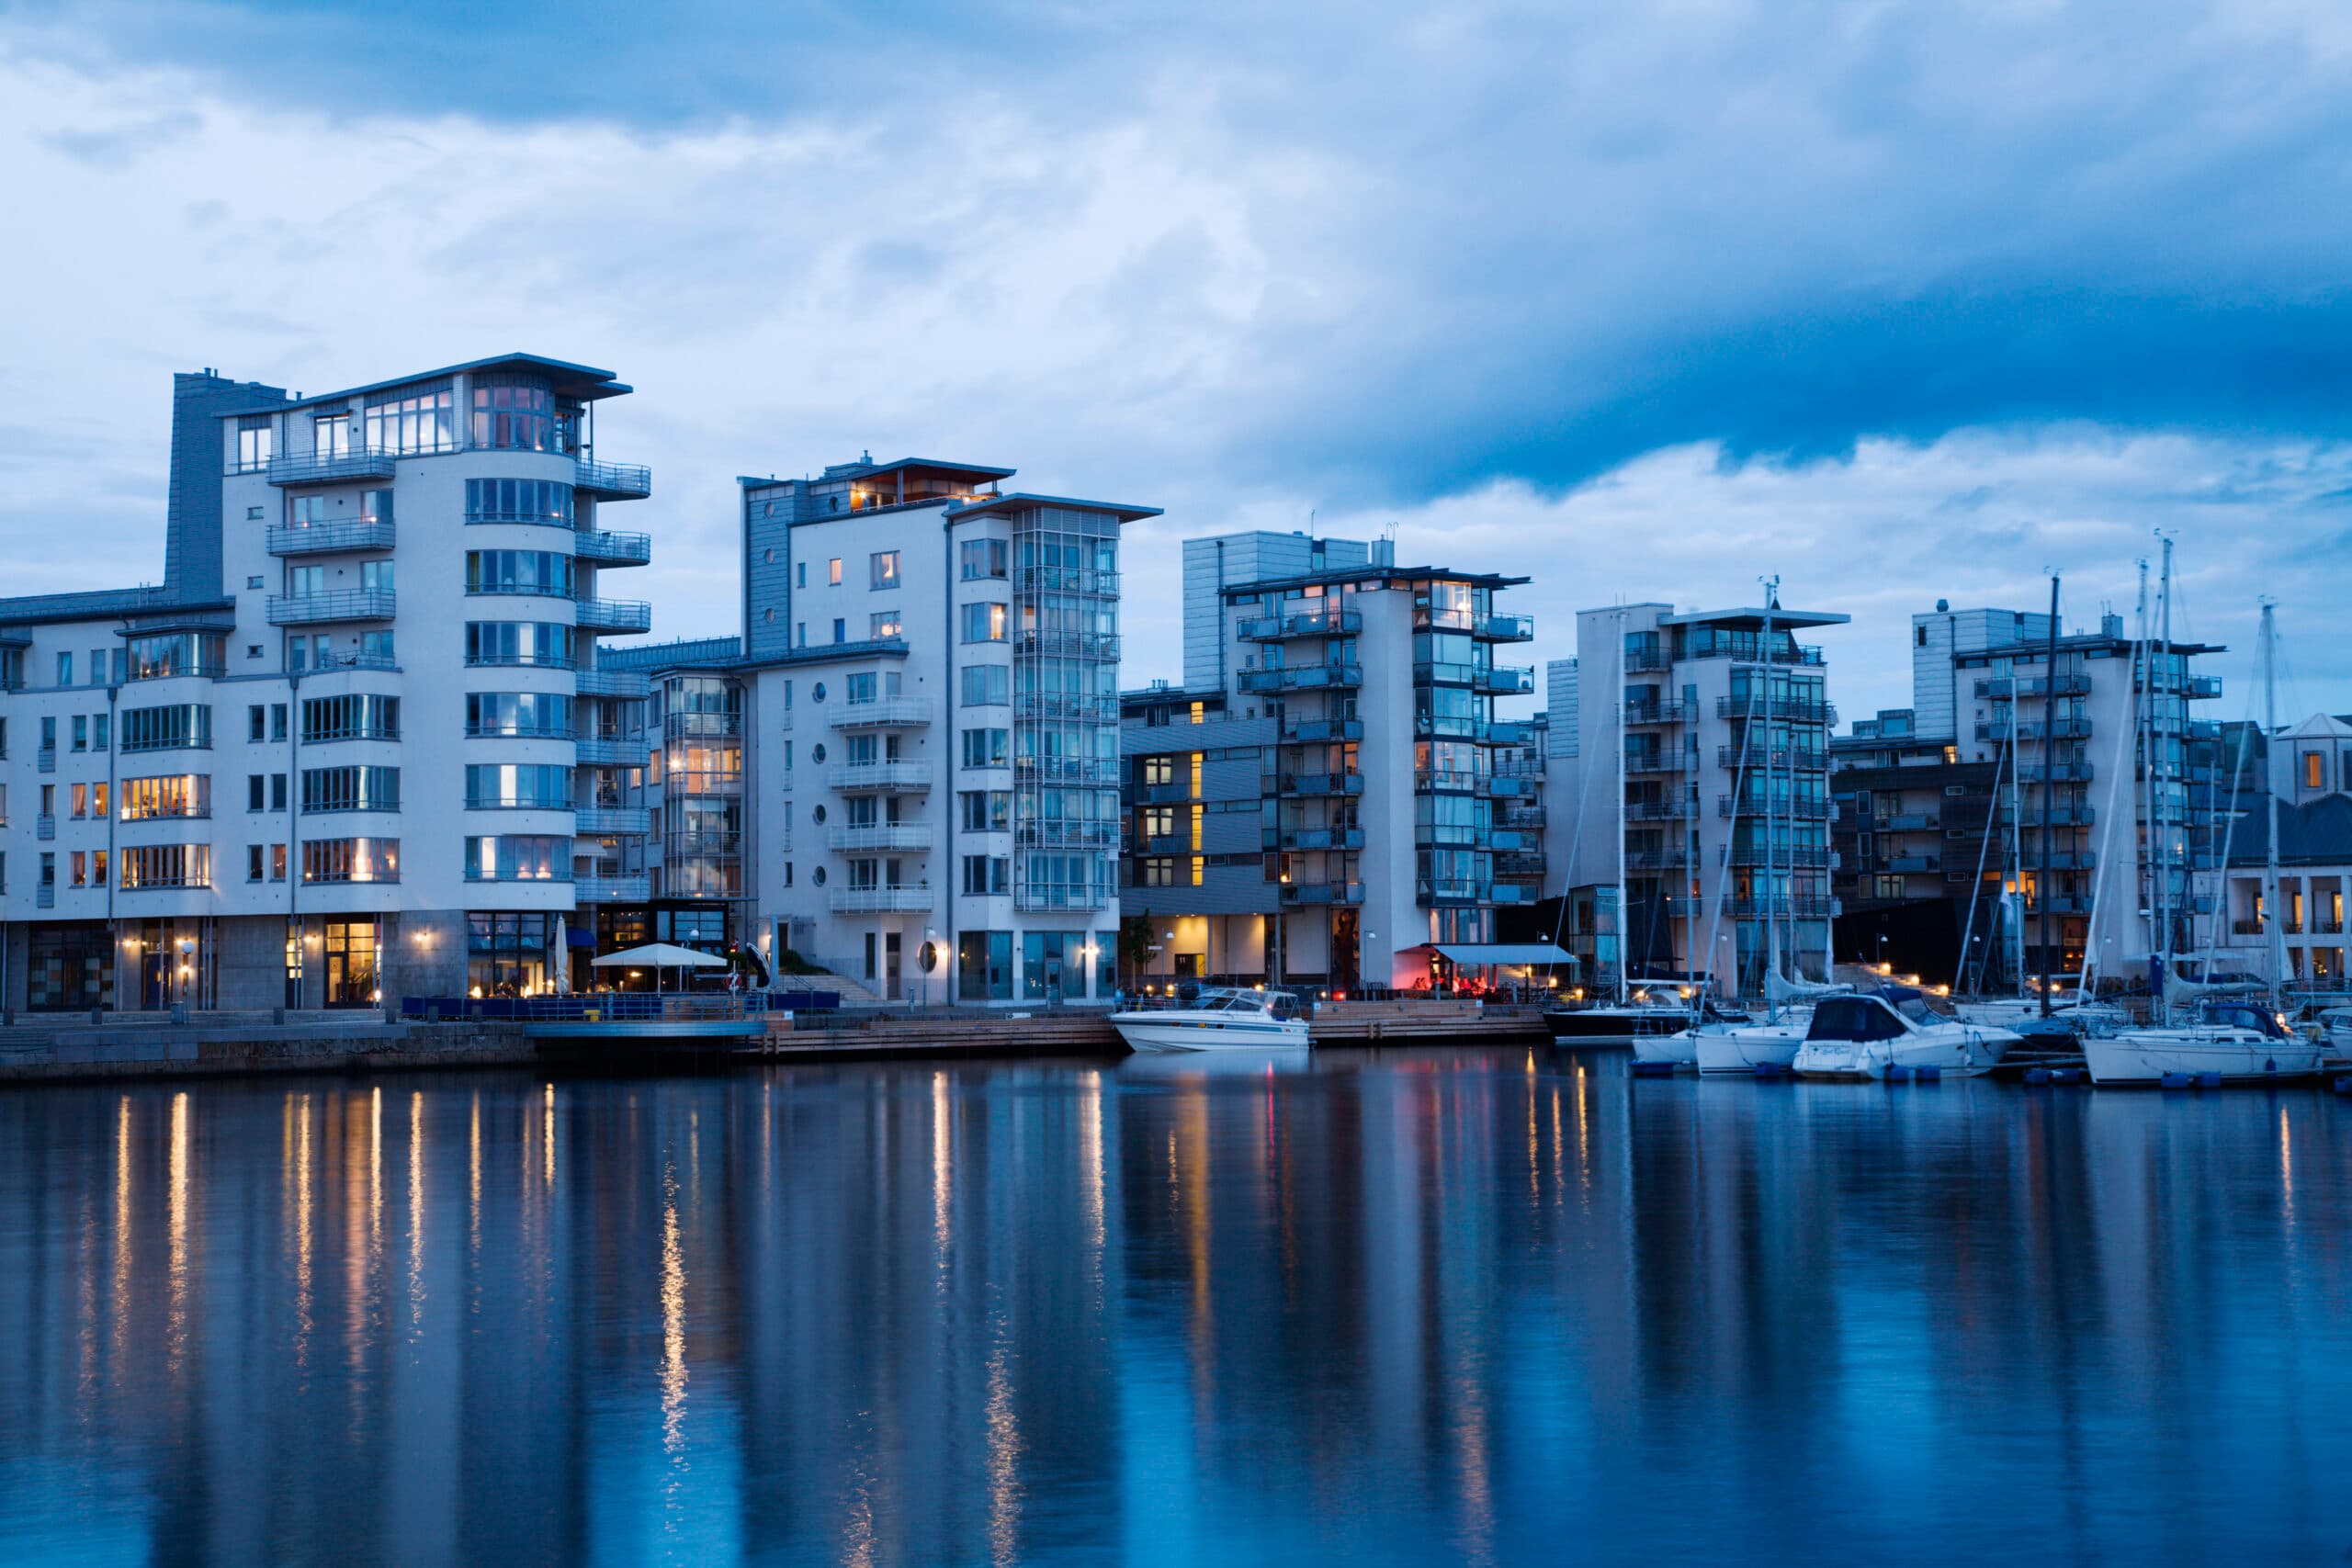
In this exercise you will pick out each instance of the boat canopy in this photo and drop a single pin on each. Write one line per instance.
(2244, 1015)
(1886, 1013)
(1509, 954)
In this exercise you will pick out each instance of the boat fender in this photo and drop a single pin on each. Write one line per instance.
(2065, 1075)
(2209, 1080)
(2040, 1075)
(1927, 1073)
(1652, 1069)
(1896, 1072)
(2174, 1080)
(2344, 1084)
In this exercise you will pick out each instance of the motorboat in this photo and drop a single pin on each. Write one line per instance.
(1680, 1049)
(2231, 1041)
(1766, 1045)
(1648, 1015)
(1868, 1035)
(1215, 1018)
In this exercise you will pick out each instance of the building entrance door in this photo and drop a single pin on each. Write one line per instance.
(891, 965)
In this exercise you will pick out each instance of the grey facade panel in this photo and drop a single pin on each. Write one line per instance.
(1224, 890)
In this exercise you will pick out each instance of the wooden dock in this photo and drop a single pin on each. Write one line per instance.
(1456, 1021)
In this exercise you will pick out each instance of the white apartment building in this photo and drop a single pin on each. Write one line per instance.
(1693, 730)
(337, 758)
(912, 751)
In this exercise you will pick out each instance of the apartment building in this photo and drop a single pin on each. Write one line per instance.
(1717, 722)
(1336, 798)
(341, 754)
(2101, 724)
(911, 751)
(2308, 768)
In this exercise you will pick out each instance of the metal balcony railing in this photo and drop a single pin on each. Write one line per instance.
(1068, 644)
(1310, 731)
(332, 468)
(889, 713)
(596, 821)
(1787, 811)
(1315, 839)
(626, 616)
(624, 889)
(613, 481)
(1784, 708)
(880, 778)
(1661, 810)
(613, 683)
(323, 539)
(1319, 784)
(1674, 712)
(1302, 677)
(45, 827)
(343, 604)
(1676, 760)
(911, 900)
(1320, 622)
(1068, 835)
(1505, 680)
(1781, 759)
(880, 837)
(1504, 628)
(1322, 892)
(610, 750)
(609, 548)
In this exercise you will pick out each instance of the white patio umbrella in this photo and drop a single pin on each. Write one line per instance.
(562, 957)
(657, 956)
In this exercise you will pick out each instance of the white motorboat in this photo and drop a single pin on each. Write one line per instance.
(1680, 1049)
(1745, 1048)
(2231, 1043)
(1864, 1036)
(1647, 1017)
(1215, 1018)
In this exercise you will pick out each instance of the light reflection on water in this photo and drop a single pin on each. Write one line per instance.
(1394, 1307)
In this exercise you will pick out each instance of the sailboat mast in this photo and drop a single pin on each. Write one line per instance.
(2163, 758)
(1771, 926)
(2049, 776)
(1624, 916)
(2270, 924)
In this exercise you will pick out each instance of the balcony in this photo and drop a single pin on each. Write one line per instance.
(45, 895)
(1163, 794)
(1319, 784)
(1312, 892)
(914, 900)
(45, 759)
(332, 468)
(318, 609)
(1067, 580)
(1659, 762)
(1504, 680)
(1511, 893)
(613, 481)
(1321, 623)
(1524, 866)
(2204, 686)
(1658, 860)
(326, 538)
(1784, 708)
(1067, 770)
(1068, 644)
(1519, 814)
(890, 712)
(1661, 810)
(1504, 628)
(1787, 811)
(2036, 730)
(625, 684)
(1448, 781)
(1674, 712)
(610, 752)
(1801, 908)
(1302, 677)
(1749, 647)
(1915, 862)
(1044, 706)
(1511, 839)
(1164, 845)
(1639, 659)
(1910, 822)
(626, 616)
(1316, 839)
(1069, 835)
(623, 889)
(1510, 786)
(1780, 760)
(1788, 857)
(2063, 904)
(45, 827)
(2006, 688)
(1310, 731)
(606, 547)
(597, 821)
(881, 778)
(1452, 892)
(1512, 732)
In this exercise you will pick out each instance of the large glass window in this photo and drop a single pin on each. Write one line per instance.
(543, 714)
(350, 948)
(351, 860)
(168, 728)
(413, 419)
(518, 571)
(514, 415)
(167, 865)
(518, 501)
(356, 716)
(544, 643)
(984, 967)
(350, 789)
(518, 857)
(254, 442)
(986, 622)
(982, 559)
(175, 795)
(507, 954)
(527, 786)
(177, 653)
(987, 686)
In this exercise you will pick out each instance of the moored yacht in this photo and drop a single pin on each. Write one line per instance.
(2231, 1041)
(1646, 1016)
(1680, 1049)
(1754, 1047)
(1215, 1018)
(1864, 1036)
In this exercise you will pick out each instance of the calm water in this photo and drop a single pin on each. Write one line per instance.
(1405, 1307)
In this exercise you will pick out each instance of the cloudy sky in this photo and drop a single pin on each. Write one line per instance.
(1900, 302)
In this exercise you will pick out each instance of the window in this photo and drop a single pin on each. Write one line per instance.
(801, 634)
(47, 734)
(884, 565)
(173, 795)
(254, 860)
(518, 501)
(518, 786)
(358, 717)
(351, 860)
(2315, 770)
(545, 643)
(518, 858)
(97, 667)
(982, 559)
(98, 728)
(331, 434)
(168, 654)
(833, 571)
(515, 416)
(79, 865)
(800, 574)
(277, 792)
(1156, 871)
(81, 732)
(840, 629)
(986, 622)
(988, 874)
(544, 714)
(254, 722)
(988, 748)
(1158, 771)
(167, 865)
(1889, 887)
(884, 623)
(517, 571)
(253, 443)
(987, 686)
(350, 789)
(376, 575)
(984, 965)
(376, 648)
(65, 668)
(79, 797)
(277, 862)
(412, 420)
(167, 729)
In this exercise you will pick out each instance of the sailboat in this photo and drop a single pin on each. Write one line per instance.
(2229, 1040)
